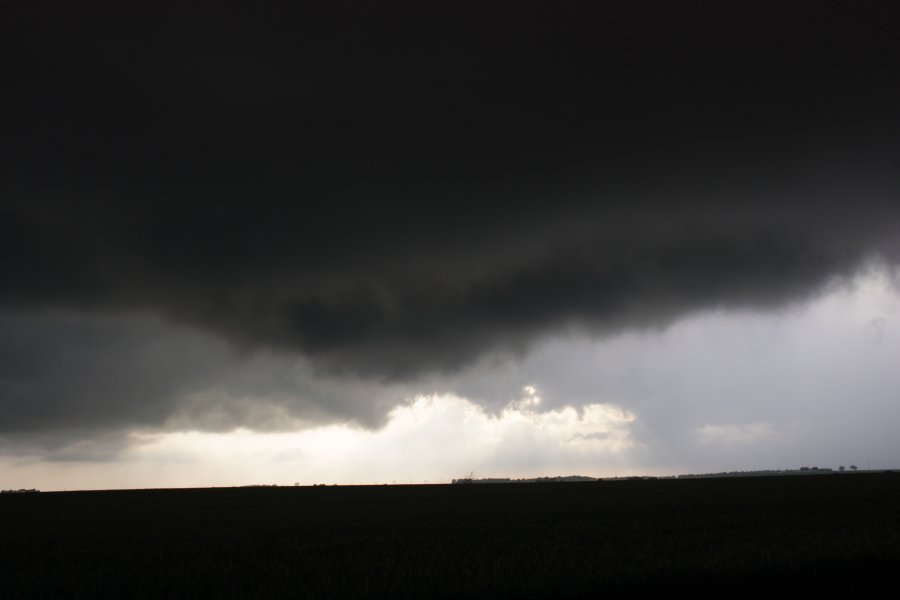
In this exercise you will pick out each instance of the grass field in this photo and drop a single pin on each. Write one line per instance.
(709, 537)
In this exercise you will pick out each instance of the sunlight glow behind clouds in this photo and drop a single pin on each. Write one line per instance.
(434, 438)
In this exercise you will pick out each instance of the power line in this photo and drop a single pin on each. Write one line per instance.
(867, 20)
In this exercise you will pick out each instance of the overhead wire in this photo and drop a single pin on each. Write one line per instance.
(865, 19)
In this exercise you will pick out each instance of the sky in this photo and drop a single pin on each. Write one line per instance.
(400, 242)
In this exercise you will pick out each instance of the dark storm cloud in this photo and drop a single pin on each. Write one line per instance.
(69, 382)
(392, 190)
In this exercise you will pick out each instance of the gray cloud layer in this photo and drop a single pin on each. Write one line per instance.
(67, 377)
(390, 199)
(814, 384)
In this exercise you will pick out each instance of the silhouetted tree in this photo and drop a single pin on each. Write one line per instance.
(467, 479)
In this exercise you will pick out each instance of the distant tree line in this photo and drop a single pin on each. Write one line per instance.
(568, 478)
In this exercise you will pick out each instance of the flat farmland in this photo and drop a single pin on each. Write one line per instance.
(706, 537)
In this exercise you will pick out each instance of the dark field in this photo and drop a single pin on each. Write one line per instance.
(709, 537)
